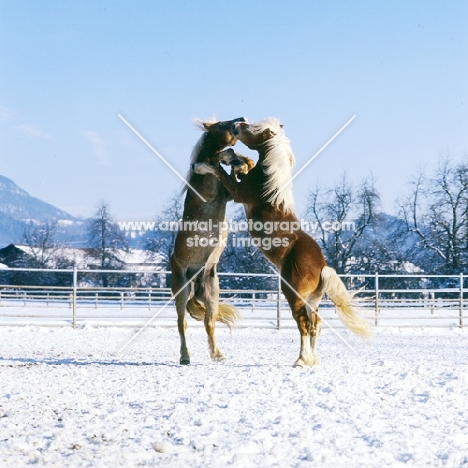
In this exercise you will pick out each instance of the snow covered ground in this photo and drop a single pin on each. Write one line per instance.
(68, 399)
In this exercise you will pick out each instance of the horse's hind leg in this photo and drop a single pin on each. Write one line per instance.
(306, 355)
(181, 304)
(211, 298)
(312, 308)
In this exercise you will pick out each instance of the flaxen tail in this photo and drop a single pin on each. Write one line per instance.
(343, 300)
(226, 314)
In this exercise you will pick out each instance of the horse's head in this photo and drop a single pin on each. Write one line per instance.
(255, 134)
(240, 164)
(221, 132)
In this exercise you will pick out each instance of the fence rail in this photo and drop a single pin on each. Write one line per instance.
(387, 300)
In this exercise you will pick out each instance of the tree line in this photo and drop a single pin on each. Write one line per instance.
(429, 233)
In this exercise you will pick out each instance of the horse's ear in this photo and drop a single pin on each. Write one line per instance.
(207, 125)
(281, 125)
(267, 134)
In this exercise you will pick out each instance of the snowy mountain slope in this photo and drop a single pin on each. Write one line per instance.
(18, 204)
(18, 209)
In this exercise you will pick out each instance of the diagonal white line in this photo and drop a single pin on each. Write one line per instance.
(159, 311)
(317, 153)
(160, 157)
(300, 297)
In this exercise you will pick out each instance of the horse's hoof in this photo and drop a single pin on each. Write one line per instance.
(184, 361)
(305, 363)
(300, 363)
(218, 357)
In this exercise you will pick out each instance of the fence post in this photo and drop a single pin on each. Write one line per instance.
(75, 278)
(461, 301)
(377, 311)
(278, 305)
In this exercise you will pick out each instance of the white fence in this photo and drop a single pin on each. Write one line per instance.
(131, 298)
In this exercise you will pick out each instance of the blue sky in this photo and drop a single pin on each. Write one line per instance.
(67, 69)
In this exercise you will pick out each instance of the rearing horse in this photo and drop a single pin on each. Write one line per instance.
(202, 238)
(266, 194)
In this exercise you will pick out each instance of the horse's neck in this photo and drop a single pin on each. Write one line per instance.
(262, 153)
(208, 185)
(206, 149)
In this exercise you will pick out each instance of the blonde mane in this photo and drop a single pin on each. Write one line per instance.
(277, 165)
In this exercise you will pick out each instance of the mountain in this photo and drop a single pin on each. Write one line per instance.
(18, 204)
(18, 209)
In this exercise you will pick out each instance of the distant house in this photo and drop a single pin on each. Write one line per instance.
(13, 257)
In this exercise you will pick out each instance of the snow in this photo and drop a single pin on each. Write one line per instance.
(68, 222)
(68, 399)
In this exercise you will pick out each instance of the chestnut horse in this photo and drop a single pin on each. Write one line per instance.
(201, 241)
(266, 194)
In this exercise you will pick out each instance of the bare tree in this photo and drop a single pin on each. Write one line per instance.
(42, 243)
(160, 243)
(342, 215)
(436, 214)
(106, 242)
(44, 252)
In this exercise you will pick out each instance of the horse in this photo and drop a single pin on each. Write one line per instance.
(201, 241)
(266, 193)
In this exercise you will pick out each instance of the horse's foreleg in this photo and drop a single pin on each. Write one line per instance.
(230, 183)
(203, 168)
(211, 299)
(181, 304)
